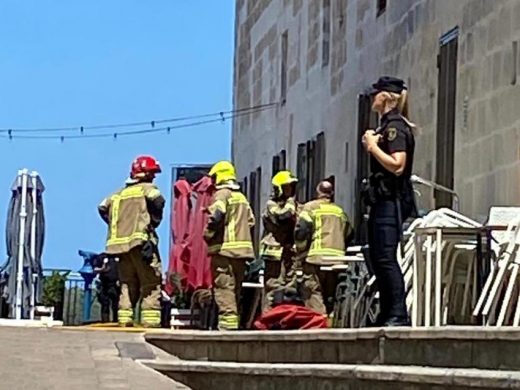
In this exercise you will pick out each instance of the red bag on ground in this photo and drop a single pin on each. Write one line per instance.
(290, 317)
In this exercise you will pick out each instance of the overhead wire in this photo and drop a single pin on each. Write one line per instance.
(152, 123)
(167, 129)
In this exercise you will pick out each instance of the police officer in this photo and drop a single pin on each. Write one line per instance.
(322, 230)
(108, 294)
(389, 194)
(229, 239)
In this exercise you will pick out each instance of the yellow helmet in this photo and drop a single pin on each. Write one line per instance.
(281, 179)
(223, 171)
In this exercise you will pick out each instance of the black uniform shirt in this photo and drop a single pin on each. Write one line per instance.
(396, 136)
(110, 275)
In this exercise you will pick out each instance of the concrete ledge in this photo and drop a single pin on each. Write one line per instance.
(451, 332)
(462, 347)
(43, 323)
(211, 375)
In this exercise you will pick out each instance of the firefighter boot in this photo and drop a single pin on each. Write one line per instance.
(125, 317)
(228, 322)
(151, 318)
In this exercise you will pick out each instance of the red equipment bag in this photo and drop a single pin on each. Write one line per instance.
(290, 317)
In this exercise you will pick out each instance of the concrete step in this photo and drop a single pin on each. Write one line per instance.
(252, 376)
(457, 347)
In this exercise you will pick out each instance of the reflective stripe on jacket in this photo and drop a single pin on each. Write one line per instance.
(270, 249)
(279, 219)
(322, 230)
(228, 232)
(129, 218)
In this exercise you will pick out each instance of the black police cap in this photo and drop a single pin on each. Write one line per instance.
(388, 84)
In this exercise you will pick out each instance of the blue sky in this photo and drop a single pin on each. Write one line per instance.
(71, 63)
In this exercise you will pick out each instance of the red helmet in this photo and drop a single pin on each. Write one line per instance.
(144, 166)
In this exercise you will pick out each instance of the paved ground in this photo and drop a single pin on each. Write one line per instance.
(56, 359)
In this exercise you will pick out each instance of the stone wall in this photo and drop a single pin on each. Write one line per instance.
(402, 41)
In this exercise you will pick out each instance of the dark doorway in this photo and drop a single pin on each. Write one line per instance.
(284, 68)
(283, 160)
(310, 167)
(244, 187)
(258, 208)
(279, 162)
(276, 165)
(311, 160)
(319, 161)
(255, 193)
(301, 172)
(446, 101)
(366, 120)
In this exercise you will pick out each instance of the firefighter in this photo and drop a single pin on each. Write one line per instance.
(132, 215)
(229, 239)
(277, 246)
(323, 230)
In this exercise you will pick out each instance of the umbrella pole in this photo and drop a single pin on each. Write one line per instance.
(21, 243)
(34, 182)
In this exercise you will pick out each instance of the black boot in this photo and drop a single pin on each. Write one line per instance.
(397, 321)
(105, 317)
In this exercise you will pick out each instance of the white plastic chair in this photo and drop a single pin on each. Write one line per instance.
(446, 256)
(488, 298)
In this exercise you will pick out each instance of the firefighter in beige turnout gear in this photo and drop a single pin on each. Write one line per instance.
(323, 230)
(132, 215)
(230, 244)
(277, 245)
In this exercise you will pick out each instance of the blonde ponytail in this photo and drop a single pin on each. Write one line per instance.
(402, 103)
(403, 107)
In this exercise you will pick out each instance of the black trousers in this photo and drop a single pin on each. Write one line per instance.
(166, 313)
(383, 239)
(108, 297)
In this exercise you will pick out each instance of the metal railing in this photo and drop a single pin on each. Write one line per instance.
(69, 309)
(417, 180)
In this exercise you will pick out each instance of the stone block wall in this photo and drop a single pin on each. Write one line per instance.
(403, 41)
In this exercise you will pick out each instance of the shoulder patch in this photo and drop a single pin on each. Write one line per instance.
(391, 133)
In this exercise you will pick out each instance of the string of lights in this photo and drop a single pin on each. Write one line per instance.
(222, 117)
(152, 124)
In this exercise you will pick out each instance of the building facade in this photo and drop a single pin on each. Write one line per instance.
(315, 58)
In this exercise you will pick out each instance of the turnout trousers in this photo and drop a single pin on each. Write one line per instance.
(228, 275)
(140, 283)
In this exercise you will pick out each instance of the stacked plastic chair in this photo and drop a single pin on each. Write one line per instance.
(499, 302)
(457, 259)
